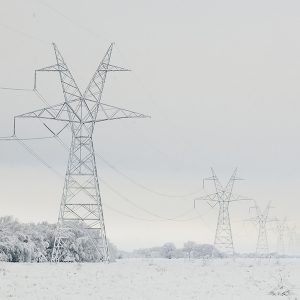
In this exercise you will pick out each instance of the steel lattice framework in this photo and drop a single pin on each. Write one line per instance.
(223, 197)
(261, 219)
(281, 229)
(81, 201)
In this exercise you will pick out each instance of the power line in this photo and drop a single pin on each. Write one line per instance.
(35, 155)
(15, 138)
(130, 201)
(199, 216)
(118, 171)
(12, 29)
(105, 183)
(163, 219)
(140, 185)
(15, 89)
(128, 215)
(44, 163)
(143, 209)
(124, 175)
(72, 21)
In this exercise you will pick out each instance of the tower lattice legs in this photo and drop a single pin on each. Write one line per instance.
(223, 237)
(81, 201)
(262, 248)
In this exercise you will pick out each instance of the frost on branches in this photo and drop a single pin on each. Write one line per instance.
(31, 242)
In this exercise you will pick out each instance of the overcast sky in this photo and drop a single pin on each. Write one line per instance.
(220, 80)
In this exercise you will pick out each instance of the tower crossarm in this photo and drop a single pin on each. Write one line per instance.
(104, 67)
(262, 216)
(58, 112)
(234, 198)
(53, 68)
(109, 112)
(62, 111)
(208, 198)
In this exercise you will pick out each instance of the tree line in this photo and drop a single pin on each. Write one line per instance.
(31, 242)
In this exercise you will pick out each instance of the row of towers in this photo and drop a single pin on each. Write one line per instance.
(81, 200)
(223, 240)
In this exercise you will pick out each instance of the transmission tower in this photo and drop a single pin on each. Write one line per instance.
(223, 197)
(292, 240)
(261, 219)
(281, 230)
(81, 201)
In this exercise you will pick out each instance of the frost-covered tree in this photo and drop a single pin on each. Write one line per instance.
(34, 242)
(188, 248)
(168, 250)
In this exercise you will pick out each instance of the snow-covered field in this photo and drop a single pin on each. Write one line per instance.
(141, 279)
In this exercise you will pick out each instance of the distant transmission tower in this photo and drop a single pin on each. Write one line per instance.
(281, 230)
(223, 196)
(81, 201)
(292, 240)
(261, 219)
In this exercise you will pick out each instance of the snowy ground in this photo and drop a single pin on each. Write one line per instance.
(140, 279)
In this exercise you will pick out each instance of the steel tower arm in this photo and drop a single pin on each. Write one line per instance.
(69, 86)
(109, 112)
(60, 112)
(211, 197)
(234, 197)
(94, 90)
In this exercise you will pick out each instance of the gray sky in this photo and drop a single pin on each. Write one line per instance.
(220, 80)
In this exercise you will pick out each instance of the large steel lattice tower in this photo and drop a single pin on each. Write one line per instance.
(223, 196)
(81, 201)
(262, 219)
